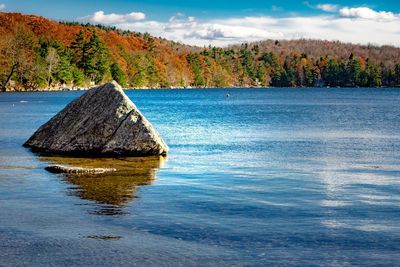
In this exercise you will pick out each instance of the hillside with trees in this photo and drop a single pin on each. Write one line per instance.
(37, 53)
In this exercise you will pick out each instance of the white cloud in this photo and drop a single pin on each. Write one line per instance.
(324, 7)
(327, 7)
(229, 33)
(2, 6)
(346, 25)
(367, 13)
(276, 8)
(101, 17)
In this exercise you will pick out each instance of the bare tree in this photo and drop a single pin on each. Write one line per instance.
(52, 61)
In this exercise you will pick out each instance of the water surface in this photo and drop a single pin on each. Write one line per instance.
(265, 176)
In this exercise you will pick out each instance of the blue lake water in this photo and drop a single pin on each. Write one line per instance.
(265, 176)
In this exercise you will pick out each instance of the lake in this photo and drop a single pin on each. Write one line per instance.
(265, 176)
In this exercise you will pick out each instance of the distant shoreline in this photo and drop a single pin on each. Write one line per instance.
(195, 88)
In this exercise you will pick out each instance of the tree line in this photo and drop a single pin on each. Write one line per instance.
(256, 68)
(98, 54)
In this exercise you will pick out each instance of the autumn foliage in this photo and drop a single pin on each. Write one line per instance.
(36, 52)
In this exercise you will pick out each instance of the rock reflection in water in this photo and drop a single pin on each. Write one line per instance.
(110, 191)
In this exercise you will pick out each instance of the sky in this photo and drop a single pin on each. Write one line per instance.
(225, 22)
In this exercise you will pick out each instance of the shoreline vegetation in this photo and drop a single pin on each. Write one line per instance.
(38, 54)
(180, 88)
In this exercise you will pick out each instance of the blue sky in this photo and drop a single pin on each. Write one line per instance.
(222, 22)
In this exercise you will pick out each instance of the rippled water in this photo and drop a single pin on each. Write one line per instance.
(275, 176)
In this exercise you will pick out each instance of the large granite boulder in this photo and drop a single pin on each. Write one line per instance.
(102, 122)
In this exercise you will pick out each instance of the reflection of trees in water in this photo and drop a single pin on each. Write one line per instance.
(110, 191)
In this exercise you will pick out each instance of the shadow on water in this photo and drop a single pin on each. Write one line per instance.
(109, 192)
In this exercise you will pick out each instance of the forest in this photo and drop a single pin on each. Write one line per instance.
(41, 54)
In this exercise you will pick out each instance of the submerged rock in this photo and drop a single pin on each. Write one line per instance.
(101, 122)
(77, 170)
(116, 188)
